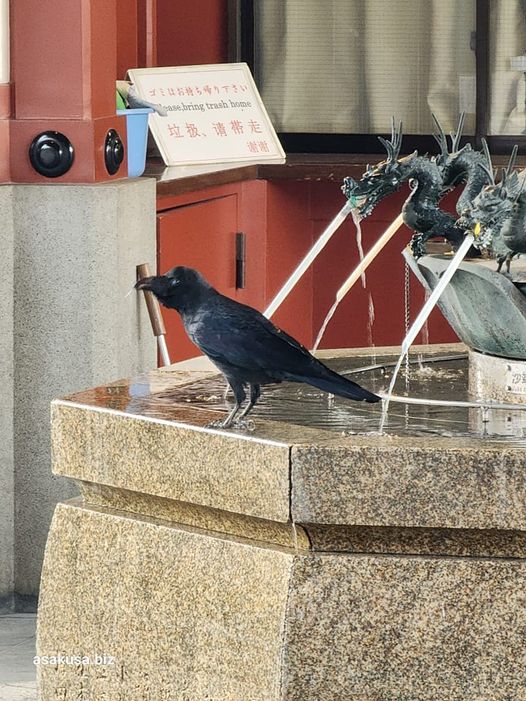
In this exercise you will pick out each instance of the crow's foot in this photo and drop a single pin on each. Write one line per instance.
(240, 424)
(219, 423)
(245, 424)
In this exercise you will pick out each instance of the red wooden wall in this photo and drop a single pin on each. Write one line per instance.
(191, 32)
(170, 33)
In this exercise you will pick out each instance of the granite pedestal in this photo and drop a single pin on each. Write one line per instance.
(69, 255)
(286, 563)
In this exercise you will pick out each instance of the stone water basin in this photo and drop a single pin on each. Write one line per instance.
(283, 409)
(309, 558)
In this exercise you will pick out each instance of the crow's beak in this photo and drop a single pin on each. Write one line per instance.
(144, 284)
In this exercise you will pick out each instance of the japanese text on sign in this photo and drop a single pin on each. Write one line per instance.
(214, 115)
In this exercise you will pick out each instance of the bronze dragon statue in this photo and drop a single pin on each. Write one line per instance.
(498, 213)
(461, 166)
(430, 178)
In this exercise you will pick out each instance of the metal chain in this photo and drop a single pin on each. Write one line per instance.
(407, 316)
(407, 298)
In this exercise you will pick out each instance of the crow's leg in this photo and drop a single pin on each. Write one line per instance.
(240, 395)
(255, 392)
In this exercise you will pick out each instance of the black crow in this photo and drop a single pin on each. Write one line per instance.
(242, 343)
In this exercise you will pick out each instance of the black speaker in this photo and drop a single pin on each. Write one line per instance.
(51, 154)
(113, 151)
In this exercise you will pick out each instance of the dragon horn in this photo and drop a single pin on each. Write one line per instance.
(393, 147)
(440, 138)
(511, 162)
(489, 172)
(521, 188)
(506, 172)
(455, 136)
(388, 147)
(398, 144)
(488, 168)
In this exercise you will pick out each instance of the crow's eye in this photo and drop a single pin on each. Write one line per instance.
(175, 281)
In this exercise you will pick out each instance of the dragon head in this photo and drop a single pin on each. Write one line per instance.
(382, 179)
(494, 205)
(487, 214)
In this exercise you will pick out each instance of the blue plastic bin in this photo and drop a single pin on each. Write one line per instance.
(137, 128)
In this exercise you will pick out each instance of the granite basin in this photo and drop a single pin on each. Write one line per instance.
(301, 559)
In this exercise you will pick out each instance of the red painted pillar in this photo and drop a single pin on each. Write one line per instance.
(5, 113)
(137, 35)
(63, 72)
(147, 35)
(5, 91)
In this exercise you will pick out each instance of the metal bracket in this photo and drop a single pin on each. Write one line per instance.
(240, 260)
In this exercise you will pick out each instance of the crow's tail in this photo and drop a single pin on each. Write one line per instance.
(336, 384)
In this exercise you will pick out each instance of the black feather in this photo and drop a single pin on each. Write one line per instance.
(247, 347)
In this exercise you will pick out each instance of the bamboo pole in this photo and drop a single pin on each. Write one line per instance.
(154, 312)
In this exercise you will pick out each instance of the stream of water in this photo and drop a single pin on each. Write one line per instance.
(359, 270)
(357, 220)
(357, 223)
(422, 318)
(326, 321)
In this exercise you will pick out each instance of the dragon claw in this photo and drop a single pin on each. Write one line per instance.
(418, 246)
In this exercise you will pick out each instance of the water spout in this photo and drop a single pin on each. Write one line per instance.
(482, 405)
(437, 292)
(360, 269)
(357, 219)
(308, 260)
(370, 256)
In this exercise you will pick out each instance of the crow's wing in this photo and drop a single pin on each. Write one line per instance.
(244, 344)
(235, 334)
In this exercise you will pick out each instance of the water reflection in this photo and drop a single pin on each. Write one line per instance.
(305, 406)
(173, 397)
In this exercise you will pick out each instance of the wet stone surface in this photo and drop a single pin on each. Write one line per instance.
(166, 395)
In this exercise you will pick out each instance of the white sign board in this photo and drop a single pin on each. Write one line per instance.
(215, 114)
